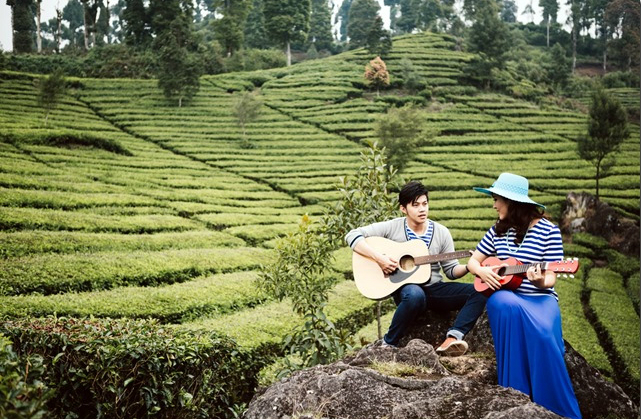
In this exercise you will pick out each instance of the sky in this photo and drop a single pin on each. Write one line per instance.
(49, 11)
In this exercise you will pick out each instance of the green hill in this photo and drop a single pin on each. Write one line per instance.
(124, 206)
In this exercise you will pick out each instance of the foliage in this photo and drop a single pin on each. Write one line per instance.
(607, 128)
(617, 79)
(254, 59)
(179, 66)
(362, 21)
(320, 28)
(376, 74)
(301, 273)
(22, 392)
(412, 79)
(487, 38)
(559, 67)
(247, 108)
(254, 31)
(50, 90)
(63, 138)
(623, 16)
(379, 41)
(287, 21)
(128, 368)
(22, 25)
(229, 28)
(402, 131)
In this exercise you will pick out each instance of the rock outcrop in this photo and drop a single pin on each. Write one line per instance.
(584, 213)
(412, 381)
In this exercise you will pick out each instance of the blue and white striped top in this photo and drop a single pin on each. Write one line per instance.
(427, 237)
(542, 243)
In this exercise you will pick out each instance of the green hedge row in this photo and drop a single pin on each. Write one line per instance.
(25, 243)
(126, 368)
(54, 274)
(210, 295)
(616, 313)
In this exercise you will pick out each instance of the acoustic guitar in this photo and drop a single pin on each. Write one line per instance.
(413, 267)
(512, 272)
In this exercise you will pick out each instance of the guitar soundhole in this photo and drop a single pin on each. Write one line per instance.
(407, 263)
(501, 271)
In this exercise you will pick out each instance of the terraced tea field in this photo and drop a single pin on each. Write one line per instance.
(126, 207)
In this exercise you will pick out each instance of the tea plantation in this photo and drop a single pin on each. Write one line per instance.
(124, 207)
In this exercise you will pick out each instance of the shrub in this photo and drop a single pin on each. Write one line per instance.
(22, 392)
(620, 79)
(124, 368)
(623, 265)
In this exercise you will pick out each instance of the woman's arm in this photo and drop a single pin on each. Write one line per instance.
(486, 274)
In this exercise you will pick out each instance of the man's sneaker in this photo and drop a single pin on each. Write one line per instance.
(387, 345)
(452, 347)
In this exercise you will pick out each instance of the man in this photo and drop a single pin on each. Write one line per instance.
(412, 299)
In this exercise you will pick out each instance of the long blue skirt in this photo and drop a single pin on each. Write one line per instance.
(529, 349)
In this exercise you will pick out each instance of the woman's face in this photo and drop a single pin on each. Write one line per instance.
(500, 205)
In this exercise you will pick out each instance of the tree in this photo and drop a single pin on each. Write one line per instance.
(287, 21)
(401, 131)
(22, 25)
(247, 108)
(379, 41)
(320, 28)
(508, 11)
(607, 129)
(50, 90)
(228, 30)
(136, 24)
(73, 13)
(254, 31)
(38, 29)
(343, 17)
(575, 20)
(90, 13)
(175, 46)
(301, 270)
(529, 10)
(362, 19)
(550, 11)
(488, 38)
(623, 18)
(412, 79)
(559, 67)
(376, 74)
(409, 16)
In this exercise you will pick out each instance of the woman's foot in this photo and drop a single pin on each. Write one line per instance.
(452, 347)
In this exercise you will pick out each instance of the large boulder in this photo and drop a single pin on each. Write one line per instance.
(584, 213)
(412, 381)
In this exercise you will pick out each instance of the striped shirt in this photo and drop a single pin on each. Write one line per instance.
(542, 243)
(427, 237)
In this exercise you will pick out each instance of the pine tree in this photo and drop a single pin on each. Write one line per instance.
(487, 38)
(320, 28)
(73, 13)
(607, 129)
(287, 21)
(508, 11)
(254, 31)
(136, 24)
(343, 16)
(362, 15)
(179, 65)
(229, 28)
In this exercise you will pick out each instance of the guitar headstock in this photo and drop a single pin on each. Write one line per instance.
(568, 266)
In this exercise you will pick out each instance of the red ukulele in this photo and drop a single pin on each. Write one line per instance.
(513, 274)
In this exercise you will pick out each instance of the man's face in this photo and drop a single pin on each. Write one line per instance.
(417, 211)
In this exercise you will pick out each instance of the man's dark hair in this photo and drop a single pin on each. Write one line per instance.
(411, 192)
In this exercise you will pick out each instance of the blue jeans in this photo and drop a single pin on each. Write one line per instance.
(412, 300)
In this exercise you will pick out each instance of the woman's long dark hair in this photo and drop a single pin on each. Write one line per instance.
(519, 216)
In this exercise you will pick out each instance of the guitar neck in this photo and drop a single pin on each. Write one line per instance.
(423, 260)
(521, 269)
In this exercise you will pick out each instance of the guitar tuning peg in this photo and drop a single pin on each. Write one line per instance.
(564, 275)
(571, 276)
(575, 259)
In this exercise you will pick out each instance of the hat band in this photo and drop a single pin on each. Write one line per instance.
(510, 188)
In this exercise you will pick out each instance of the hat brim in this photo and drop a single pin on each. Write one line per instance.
(509, 195)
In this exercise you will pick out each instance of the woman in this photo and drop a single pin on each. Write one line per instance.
(526, 322)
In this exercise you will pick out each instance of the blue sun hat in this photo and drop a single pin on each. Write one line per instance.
(510, 186)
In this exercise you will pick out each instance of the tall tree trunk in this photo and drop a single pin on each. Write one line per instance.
(289, 54)
(38, 34)
(574, 36)
(84, 20)
(548, 31)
